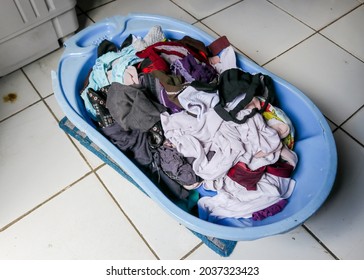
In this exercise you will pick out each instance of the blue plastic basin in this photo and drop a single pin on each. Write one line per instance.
(315, 146)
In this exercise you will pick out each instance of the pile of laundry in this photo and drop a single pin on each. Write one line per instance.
(207, 133)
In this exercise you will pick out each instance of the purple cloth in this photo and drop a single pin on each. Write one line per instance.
(168, 103)
(167, 185)
(191, 70)
(176, 166)
(269, 211)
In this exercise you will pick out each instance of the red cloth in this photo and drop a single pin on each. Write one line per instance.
(154, 51)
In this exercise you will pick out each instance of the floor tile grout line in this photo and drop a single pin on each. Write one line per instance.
(219, 35)
(32, 84)
(223, 9)
(340, 17)
(184, 11)
(208, 27)
(94, 8)
(328, 119)
(320, 242)
(318, 31)
(321, 28)
(100, 166)
(82, 12)
(289, 49)
(43, 99)
(49, 95)
(351, 116)
(340, 127)
(71, 139)
(235, 48)
(288, 13)
(89, 17)
(44, 202)
(351, 136)
(79, 151)
(30, 105)
(21, 110)
(126, 216)
(194, 249)
(341, 47)
(94, 171)
(81, 27)
(214, 13)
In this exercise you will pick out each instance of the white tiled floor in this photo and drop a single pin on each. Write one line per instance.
(59, 201)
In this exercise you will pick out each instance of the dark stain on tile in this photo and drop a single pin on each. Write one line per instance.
(10, 97)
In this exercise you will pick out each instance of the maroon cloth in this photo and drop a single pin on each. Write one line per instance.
(218, 45)
(195, 45)
(244, 176)
(280, 169)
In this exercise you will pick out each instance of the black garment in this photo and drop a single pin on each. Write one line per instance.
(234, 82)
(105, 47)
(155, 136)
(98, 102)
(152, 86)
(134, 142)
(131, 108)
(135, 145)
(108, 46)
(127, 42)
